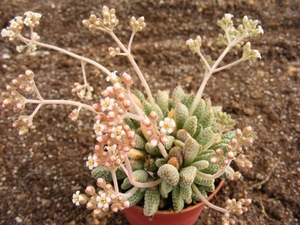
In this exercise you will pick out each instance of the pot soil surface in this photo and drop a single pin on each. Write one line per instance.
(41, 170)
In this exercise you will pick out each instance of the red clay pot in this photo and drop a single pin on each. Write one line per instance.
(187, 216)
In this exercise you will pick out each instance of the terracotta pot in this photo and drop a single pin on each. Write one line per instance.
(187, 216)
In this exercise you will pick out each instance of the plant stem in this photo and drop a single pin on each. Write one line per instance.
(61, 102)
(79, 57)
(205, 201)
(135, 66)
(128, 171)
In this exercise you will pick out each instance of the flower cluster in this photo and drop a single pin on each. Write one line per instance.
(149, 150)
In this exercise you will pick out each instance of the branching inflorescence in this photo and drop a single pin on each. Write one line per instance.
(151, 149)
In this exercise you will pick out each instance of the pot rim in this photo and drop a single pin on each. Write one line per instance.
(200, 204)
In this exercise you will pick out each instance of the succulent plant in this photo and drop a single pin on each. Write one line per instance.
(158, 152)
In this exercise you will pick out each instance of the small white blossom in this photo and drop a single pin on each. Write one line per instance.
(117, 132)
(99, 128)
(112, 149)
(167, 125)
(112, 77)
(107, 104)
(103, 201)
(92, 162)
(77, 198)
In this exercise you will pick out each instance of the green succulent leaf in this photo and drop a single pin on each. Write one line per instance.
(181, 114)
(190, 125)
(201, 164)
(163, 101)
(160, 114)
(139, 95)
(165, 188)
(138, 175)
(102, 172)
(186, 194)
(170, 142)
(152, 150)
(139, 142)
(188, 100)
(137, 196)
(160, 161)
(190, 150)
(178, 201)
(147, 107)
(169, 173)
(152, 198)
(200, 109)
(203, 181)
(187, 176)
(205, 136)
(177, 95)
(182, 135)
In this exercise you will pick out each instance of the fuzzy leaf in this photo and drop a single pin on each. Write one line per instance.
(165, 188)
(169, 173)
(187, 176)
(160, 161)
(152, 150)
(190, 150)
(136, 164)
(160, 114)
(139, 142)
(178, 143)
(178, 202)
(147, 107)
(181, 114)
(209, 188)
(182, 135)
(137, 196)
(186, 194)
(163, 101)
(203, 181)
(177, 95)
(102, 172)
(200, 109)
(208, 119)
(136, 154)
(176, 152)
(169, 143)
(130, 123)
(205, 136)
(190, 125)
(152, 198)
(201, 164)
(188, 100)
(139, 95)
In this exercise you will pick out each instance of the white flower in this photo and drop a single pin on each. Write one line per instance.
(112, 149)
(167, 125)
(103, 201)
(76, 198)
(112, 77)
(117, 132)
(92, 162)
(107, 104)
(99, 128)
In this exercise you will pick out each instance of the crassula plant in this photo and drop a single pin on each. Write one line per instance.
(158, 149)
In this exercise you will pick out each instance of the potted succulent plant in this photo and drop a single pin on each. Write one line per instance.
(163, 153)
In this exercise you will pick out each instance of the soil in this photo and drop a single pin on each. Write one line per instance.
(41, 170)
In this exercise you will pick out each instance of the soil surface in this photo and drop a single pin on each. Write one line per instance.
(41, 170)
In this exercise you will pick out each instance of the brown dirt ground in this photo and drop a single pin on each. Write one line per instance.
(41, 170)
